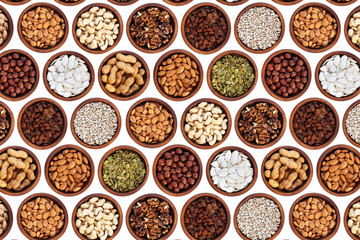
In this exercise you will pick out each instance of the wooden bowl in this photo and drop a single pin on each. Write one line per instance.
(164, 188)
(113, 150)
(225, 111)
(238, 2)
(341, 3)
(167, 107)
(36, 67)
(142, 88)
(123, 3)
(56, 10)
(90, 69)
(22, 111)
(56, 152)
(258, 195)
(87, 198)
(19, 2)
(97, 50)
(63, 2)
(37, 173)
(252, 162)
(173, 212)
(344, 124)
(273, 93)
(331, 12)
(168, 55)
(219, 57)
(171, 2)
(173, 22)
(318, 171)
(346, 27)
(259, 5)
(309, 172)
(201, 195)
(291, 123)
(11, 119)
(10, 29)
(326, 199)
(282, 117)
(55, 200)
(346, 218)
(317, 72)
(284, 2)
(10, 217)
(83, 104)
(212, 5)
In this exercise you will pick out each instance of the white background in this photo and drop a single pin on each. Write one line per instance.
(123, 106)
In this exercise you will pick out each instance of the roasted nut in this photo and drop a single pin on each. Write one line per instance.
(4, 218)
(353, 219)
(4, 122)
(4, 28)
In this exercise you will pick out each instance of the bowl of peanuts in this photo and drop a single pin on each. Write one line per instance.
(287, 170)
(351, 218)
(124, 75)
(69, 170)
(6, 218)
(20, 170)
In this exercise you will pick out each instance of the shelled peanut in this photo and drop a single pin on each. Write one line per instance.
(286, 170)
(178, 75)
(340, 170)
(314, 218)
(69, 171)
(17, 170)
(123, 75)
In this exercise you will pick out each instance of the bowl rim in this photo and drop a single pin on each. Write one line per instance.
(112, 151)
(341, 3)
(253, 165)
(164, 188)
(239, 2)
(184, 2)
(221, 56)
(69, 3)
(282, 2)
(10, 29)
(200, 5)
(10, 220)
(50, 159)
(346, 217)
(11, 120)
(21, 2)
(123, 3)
(253, 102)
(354, 104)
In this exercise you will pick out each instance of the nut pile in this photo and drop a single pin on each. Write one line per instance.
(42, 123)
(353, 221)
(97, 28)
(152, 28)
(4, 28)
(286, 74)
(340, 170)
(353, 28)
(205, 218)
(206, 28)
(206, 123)
(258, 218)
(4, 123)
(151, 218)
(232, 75)
(68, 76)
(231, 171)
(178, 75)
(96, 123)
(97, 218)
(260, 123)
(352, 123)
(123, 75)
(69, 171)
(4, 218)
(340, 75)
(259, 28)
(18, 74)
(286, 170)
(315, 27)
(151, 122)
(43, 27)
(314, 123)
(17, 170)
(123, 171)
(178, 170)
(42, 218)
(314, 218)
